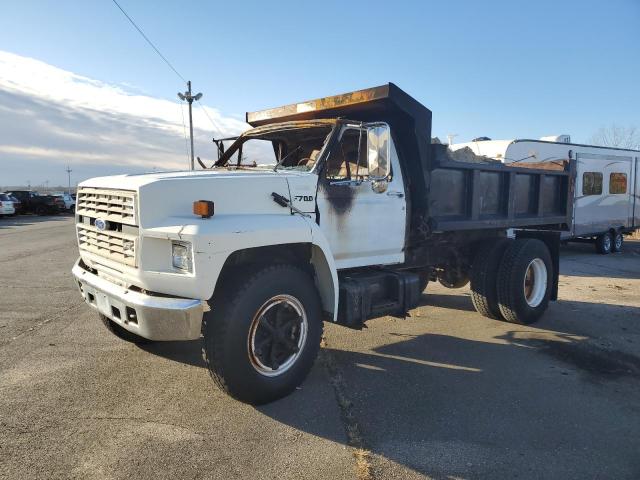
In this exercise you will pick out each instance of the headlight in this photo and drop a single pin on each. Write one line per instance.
(181, 256)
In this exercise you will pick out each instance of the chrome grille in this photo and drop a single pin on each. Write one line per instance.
(117, 246)
(112, 205)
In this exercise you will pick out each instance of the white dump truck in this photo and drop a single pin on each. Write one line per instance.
(606, 200)
(356, 212)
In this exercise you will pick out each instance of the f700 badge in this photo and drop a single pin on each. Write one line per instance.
(304, 198)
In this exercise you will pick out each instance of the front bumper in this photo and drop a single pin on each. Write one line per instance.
(152, 317)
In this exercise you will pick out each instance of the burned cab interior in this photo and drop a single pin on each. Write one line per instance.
(290, 145)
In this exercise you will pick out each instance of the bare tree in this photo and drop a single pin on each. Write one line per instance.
(617, 136)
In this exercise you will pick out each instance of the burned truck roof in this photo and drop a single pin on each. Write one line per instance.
(376, 103)
(409, 119)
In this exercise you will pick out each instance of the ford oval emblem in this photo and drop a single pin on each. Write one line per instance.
(100, 224)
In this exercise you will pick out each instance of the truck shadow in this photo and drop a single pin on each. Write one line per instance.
(449, 407)
(187, 352)
(527, 402)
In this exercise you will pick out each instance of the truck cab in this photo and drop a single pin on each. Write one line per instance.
(334, 210)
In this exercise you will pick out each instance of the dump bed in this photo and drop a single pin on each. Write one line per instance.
(465, 196)
(444, 195)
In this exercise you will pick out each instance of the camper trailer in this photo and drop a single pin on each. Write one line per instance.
(606, 188)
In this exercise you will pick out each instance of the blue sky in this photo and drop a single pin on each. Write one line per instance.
(496, 68)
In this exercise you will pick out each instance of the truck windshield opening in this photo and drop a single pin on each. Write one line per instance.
(291, 148)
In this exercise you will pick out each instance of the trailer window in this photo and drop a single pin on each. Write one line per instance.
(592, 183)
(618, 183)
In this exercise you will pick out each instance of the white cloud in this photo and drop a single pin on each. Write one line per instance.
(51, 117)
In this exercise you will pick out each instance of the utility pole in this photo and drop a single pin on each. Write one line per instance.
(69, 175)
(190, 98)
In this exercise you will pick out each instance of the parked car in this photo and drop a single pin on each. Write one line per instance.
(69, 201)
(17, 204)
(6, 205)
(33, 202)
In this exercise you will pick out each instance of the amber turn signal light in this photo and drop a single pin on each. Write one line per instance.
(204, 208)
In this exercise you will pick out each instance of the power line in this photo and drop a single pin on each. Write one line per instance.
(149, 41)
(215, 125)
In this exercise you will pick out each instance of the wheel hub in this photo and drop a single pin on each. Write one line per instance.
(277, 335)
(535, 282)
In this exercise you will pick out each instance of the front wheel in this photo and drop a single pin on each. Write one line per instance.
(262, 333)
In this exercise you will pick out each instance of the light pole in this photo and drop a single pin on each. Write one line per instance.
(190, 98)
(69, 175)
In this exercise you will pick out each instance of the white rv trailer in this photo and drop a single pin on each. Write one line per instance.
(607, 184)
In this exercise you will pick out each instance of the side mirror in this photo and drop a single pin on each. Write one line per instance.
(379, 151)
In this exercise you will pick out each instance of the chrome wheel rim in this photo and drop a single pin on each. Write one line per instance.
(607, 242)
(277, 335)
(535, 282)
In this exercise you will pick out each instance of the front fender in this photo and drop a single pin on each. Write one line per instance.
(216, 239)
(326, 272)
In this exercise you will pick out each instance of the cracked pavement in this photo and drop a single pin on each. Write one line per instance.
(444, 393)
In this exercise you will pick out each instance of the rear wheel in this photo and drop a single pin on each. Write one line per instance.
(524, 282)
(618, 240)
(262, 333)
(122, 333)
(604, 243)
(484, 273)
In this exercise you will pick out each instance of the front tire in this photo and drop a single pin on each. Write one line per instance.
(262, 333)
(524, 282)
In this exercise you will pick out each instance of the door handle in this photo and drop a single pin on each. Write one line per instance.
(395, 194)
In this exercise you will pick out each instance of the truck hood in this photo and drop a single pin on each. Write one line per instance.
(167, 198)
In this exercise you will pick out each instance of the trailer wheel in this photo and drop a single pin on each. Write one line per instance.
(122, 333)
(525, 278)
(262, 333)
(604, 243)
(484, 273)
(618, 240)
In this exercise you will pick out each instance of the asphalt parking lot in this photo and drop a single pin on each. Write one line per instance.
(444, 394)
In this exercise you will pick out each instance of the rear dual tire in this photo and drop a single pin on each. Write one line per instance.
(525, 277)
(512, 280)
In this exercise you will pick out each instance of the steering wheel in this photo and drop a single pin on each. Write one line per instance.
(303, 161)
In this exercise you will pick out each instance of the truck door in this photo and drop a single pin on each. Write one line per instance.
(361, 202)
